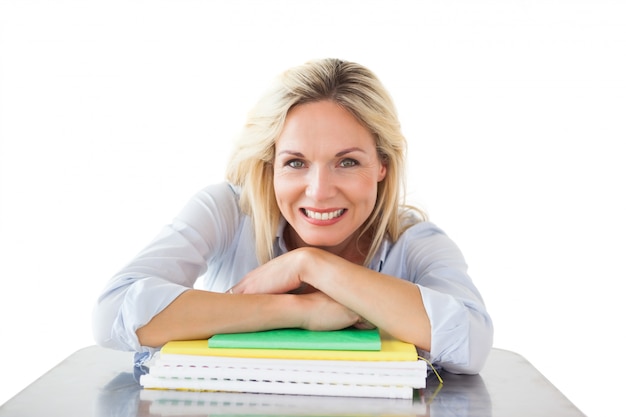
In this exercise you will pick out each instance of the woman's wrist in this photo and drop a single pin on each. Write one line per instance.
(310, 264)
(294, 311)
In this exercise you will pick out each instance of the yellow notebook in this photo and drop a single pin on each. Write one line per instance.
(391, 350)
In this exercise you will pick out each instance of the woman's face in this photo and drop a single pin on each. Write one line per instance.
(326, 172)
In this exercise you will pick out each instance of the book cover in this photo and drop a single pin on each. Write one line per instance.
(391, 350)
(345, 339)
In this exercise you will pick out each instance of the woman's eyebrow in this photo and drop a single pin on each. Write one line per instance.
(293, 153)
(338, 154)
(349, 150)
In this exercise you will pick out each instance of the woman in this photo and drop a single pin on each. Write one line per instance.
(309, 232)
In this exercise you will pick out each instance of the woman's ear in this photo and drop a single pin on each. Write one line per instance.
(383, 171)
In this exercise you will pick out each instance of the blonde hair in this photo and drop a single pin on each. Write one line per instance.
(359, 91)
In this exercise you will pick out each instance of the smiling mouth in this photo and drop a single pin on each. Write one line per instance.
(330, 215)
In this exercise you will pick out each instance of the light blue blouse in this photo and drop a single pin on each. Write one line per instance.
(210, 246)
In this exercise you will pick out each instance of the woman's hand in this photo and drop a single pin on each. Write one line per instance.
(278, 276)
(320, 312)
(284, 274)
(369, 298)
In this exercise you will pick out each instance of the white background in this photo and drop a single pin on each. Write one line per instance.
(112, 114)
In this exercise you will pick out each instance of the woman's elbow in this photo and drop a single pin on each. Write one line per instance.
(479, 344)
(101, 328)
(103, 321)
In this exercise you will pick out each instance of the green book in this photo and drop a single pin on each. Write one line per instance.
(345, 339)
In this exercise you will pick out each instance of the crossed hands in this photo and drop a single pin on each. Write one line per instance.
(293, 273)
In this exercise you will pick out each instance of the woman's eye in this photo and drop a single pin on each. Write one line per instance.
(348, 162)
(295, 163)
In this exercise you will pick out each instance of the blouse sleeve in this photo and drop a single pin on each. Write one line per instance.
(165, 268)
(462, 330)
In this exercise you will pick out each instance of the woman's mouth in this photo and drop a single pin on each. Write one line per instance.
(326, 215)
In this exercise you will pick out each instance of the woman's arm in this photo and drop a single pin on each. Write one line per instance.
(199, 314)
(387, 302)
(152, 300)
(168, 268)
(423, 294)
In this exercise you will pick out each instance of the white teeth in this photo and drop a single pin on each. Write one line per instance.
(323, 216)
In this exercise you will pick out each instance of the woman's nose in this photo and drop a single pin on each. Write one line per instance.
(321, 184)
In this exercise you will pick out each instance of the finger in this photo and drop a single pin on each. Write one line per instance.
(363, 324)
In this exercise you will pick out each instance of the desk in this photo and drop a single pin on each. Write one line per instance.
(100, 382)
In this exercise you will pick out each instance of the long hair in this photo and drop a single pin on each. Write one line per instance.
(359, 91)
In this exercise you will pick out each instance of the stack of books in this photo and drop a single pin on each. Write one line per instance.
(348, 363)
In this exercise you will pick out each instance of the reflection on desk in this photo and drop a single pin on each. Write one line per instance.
(102, 382)
(168, 403)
